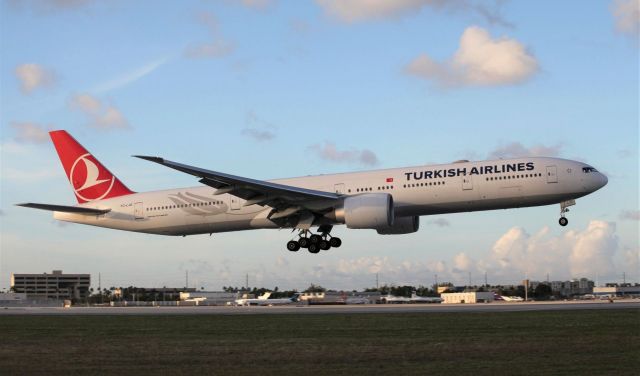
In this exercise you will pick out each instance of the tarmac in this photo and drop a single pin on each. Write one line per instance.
(326, 309)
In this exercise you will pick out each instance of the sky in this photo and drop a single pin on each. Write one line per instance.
(275, 88)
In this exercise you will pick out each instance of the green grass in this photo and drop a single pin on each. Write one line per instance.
(524, 343)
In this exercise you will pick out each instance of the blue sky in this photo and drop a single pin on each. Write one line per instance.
(268, 89)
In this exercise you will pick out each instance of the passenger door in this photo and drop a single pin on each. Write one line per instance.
(138, 210)
(552, 174)
(234, 203)
(467, 182)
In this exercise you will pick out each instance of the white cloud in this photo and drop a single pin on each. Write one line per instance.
(254, 4)
(34, 76)
(258, 134)
(51, 5)
(351, 11)
(633, 215)
(479, 61)
(217, 46)
(516, 149)
(593, 249)
(575, 254)
(100, 115)
(130, 77)
(257, 128)
(440, 222)
(627, 17)
(22, 176)
(587, 252)
(329, 152)
(30, 132)
(363, 10)
(462, 263)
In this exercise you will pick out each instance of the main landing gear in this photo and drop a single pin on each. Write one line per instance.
(314, 242)
(564, 208)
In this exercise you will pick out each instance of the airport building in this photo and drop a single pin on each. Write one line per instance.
(467, 297)
(335, 297)
(573, 287)
(56, 285)
(611, 291)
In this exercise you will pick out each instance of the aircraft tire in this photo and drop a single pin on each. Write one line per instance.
(315, 238)
(335, 242)
(563, 221)
(293, 246)
(314, 248)
(324, 245)
(304, 242)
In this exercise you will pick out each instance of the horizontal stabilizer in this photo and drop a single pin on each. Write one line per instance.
(65, 208)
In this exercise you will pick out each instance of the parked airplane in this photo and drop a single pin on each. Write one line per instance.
(392, 299)
(424, 299)
(389, 201)
(264, 300)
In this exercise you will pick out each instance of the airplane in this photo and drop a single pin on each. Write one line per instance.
(264, 300)
(389, 201)
(392, 299)
(423, 299)
(512, 298)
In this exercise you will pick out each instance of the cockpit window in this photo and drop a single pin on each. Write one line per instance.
(587, 170)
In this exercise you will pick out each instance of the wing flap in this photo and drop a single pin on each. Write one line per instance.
(65, 208)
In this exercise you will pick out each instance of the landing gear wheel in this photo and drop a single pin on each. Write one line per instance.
(304, 242)
(335, 242)
(293, 246)
(563, 221)
(315, 238)
(324, 245)
(314, 248)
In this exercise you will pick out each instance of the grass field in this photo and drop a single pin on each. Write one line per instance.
(583, 342)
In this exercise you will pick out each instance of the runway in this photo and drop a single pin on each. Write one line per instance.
(324, 309)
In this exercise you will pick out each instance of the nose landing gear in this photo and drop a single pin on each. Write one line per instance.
(316, 242)
(564, 208)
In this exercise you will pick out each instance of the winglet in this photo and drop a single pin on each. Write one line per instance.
(149, 158)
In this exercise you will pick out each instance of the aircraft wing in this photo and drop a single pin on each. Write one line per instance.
(65, 208)
(286, 199)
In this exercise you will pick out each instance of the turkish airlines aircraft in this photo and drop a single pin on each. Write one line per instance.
(389, 201)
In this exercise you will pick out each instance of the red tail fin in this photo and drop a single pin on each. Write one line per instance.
(89, 179)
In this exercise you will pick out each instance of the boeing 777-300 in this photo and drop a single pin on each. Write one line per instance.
(389, 201)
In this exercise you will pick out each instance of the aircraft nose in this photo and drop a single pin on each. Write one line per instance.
(599, 181)
(603, 180)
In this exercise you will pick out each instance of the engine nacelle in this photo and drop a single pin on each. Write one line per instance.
(402, 225)
(367, 211)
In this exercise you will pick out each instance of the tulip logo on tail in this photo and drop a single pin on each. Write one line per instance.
(86, 180)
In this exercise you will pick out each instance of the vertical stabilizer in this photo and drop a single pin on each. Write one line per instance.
(265, 296)
(89, 179)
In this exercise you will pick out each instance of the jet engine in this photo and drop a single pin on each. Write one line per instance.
(367, 211)
(401, 225)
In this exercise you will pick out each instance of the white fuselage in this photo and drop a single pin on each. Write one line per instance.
(422, 190)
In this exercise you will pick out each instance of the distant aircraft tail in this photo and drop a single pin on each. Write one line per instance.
(89, 179)
(265, 296)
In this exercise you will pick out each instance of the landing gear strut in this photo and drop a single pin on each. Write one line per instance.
(564, 208)
(315, 242)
